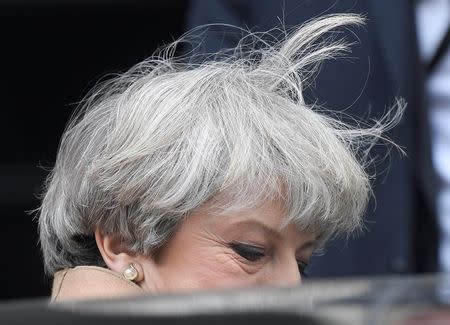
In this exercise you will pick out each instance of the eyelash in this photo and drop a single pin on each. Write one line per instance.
(302, 268)
(249, 252)
(254, 254)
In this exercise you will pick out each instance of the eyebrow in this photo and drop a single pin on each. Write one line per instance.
(274, 233)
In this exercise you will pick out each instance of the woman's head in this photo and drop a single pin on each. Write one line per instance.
(205, 163)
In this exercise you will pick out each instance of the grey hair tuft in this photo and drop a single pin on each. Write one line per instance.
(159, 141)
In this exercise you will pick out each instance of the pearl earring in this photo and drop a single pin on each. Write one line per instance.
(130, 273)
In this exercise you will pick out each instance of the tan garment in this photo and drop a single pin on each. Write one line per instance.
(89, 282)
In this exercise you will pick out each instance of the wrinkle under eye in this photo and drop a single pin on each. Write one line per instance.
(249, 252)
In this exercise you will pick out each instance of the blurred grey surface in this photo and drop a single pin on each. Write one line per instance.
(384, 300)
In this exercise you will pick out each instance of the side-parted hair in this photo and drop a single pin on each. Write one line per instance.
(150, 146)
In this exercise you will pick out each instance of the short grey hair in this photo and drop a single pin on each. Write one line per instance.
(159, 141)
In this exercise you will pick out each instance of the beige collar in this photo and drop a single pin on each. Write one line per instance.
(89, 282)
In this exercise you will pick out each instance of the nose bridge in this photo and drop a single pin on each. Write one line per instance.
(286, 272)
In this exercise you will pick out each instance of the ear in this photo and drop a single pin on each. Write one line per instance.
(116, 255)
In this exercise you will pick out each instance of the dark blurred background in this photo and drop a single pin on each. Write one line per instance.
(52, 52)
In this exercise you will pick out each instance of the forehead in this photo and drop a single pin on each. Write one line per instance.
(268, 217)
(270, 213)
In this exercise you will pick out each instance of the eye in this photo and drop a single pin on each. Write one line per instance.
(302, 265)
(249, 252)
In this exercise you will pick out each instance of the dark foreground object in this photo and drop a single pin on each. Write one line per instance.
(393, 300)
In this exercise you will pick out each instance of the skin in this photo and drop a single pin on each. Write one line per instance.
(210, 251)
